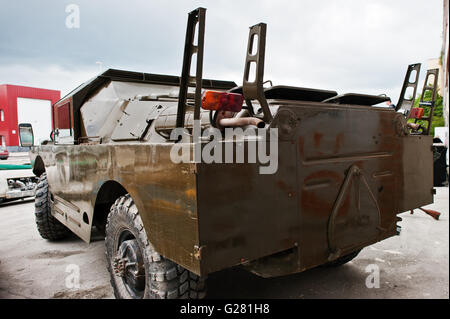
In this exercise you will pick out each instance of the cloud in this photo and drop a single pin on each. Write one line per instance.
(47, 77)
(346, 45)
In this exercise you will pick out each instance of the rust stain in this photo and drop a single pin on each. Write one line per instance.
(319, 201)
(301, 144)
(325, 175)
(339, 142)
(164, 204)
(318, 204)
(286, 188)
(190, 193)
(317, 139)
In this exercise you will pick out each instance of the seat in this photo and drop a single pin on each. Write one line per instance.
(357, 99)
(283, 92)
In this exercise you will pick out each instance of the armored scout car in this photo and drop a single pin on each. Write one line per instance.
(343, 173)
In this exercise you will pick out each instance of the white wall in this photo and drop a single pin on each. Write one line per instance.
(442, 133)
(38, 114)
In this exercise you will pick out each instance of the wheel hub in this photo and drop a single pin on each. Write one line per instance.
(128, 264)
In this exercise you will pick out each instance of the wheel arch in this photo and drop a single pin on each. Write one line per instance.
(38, 166)
(107, 194)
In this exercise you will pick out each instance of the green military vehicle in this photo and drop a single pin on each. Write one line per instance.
(342, 170)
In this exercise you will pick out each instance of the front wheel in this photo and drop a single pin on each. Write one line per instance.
(48, 226)
(136, 270)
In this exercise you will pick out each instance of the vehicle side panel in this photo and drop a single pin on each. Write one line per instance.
(164, 192)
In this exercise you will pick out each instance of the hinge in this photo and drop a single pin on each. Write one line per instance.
(198, 252)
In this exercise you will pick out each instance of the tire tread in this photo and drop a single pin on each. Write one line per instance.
(167, 279)
(48, 226)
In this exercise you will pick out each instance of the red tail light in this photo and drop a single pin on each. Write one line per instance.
(222, 101)
(416, 113)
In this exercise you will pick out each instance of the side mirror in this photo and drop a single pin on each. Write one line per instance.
(26, 136)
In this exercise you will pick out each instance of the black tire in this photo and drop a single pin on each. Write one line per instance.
(150, 275)
(48, 226)
(343, 260)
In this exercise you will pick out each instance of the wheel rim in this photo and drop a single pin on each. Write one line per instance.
(128, 264)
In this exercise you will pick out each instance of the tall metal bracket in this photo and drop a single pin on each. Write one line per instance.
(195, 17)
(433, 88)
(253, 88)
(405, 104)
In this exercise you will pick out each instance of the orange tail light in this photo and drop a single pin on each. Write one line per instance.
(222, 101)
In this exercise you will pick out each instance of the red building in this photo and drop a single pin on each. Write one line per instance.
(22, 104)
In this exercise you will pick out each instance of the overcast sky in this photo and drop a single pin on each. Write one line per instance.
(347, 46)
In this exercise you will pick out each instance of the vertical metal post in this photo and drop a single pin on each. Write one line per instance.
(405, 104)
(253, 89)
(199, 71)
(430, 104)
(195, 17)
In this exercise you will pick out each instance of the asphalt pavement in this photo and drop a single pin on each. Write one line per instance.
(412, 265)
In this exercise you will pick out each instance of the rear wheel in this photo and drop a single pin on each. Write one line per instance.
(136, 269)
(48, 226)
